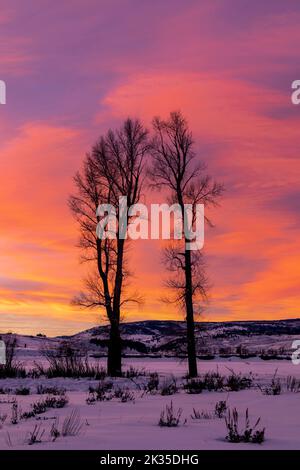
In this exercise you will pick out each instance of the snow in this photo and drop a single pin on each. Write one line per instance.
(165, 337)
(134, 425)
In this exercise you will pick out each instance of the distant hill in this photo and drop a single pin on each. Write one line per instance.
(155, 337)
(168, 337)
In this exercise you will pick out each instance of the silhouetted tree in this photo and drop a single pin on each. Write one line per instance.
(176, 167)
(113, 169)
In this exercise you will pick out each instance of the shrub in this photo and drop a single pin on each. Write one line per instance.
(292, 384)
(102, 386)
(153, 383)
(247, 434)
(2, 419)
(100, 392)
(194, 386)
(27, 415)
(72, 424)
(169, 387)
(8, 440)
(201, 414)
(124, 395)
(274, 388)
(133, 372)
(169, 417)
(91, 399)
(35, 436)
(127, 396)
(220, 408)
(54, 402)
(39, 407)
(54, 432)
(213, 381)
(15, 413)
(258, 437)
(43, 405)
(236, 382)
(68, 361)
(22, 391)
(41, 390)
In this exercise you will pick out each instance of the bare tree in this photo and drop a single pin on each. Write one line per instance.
(176, 167)
(115, 168)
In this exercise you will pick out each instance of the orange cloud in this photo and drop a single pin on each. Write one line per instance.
(229, 73)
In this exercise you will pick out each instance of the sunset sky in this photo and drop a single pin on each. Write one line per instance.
(75, 68)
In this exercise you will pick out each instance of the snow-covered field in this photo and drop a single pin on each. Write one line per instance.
(134, 424)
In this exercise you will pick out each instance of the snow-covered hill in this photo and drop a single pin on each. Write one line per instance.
(158, 338)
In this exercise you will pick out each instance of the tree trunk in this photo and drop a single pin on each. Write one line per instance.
(190, 324)
(114, 358)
